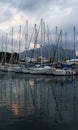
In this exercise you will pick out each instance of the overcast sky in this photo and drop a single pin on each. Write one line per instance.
(60, 13)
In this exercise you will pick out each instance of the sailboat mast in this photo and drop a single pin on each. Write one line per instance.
(65, 45)
(6, 49)
(61, 46)
(48, 38)
(19, 41)
(74, 39)
(35, 42)
(44, 39)
(12, 40)
(26, 41)
(56, 45)
(11, 59)
(2, 48)
(41, 38)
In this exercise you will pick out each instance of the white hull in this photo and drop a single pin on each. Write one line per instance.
(18, 69)
(50, 71)
(40, 70)
(25, 70)
(64, 72)
(10, 69)
(4, 68)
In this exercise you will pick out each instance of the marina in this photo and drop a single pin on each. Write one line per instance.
(46, 57)
(38, 65)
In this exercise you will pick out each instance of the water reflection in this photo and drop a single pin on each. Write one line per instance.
(44, 99)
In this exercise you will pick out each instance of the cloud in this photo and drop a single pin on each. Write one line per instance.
(5, 12)
(62, 14)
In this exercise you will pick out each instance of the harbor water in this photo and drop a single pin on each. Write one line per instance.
(38, 102)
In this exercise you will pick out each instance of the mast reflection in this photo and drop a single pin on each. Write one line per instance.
(38, 98)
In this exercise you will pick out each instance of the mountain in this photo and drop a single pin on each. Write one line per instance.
(49, 51)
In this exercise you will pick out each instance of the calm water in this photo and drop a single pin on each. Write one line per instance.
(30, 102)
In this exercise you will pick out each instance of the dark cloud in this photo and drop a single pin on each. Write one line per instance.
(28, 5)
(33, 4)
(41, 9)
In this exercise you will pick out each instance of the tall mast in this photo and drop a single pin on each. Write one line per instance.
(19, 40)
(56, 44)
(26, 41)
(49, 54)
(44, 32)
(61, 46)
(35, 42)
(65, 45)
(11, 59)
(2, 42)
(12, 41)
(74, 39)
(41, 38)
(44, 37)
(6, 48)
(2, 48)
